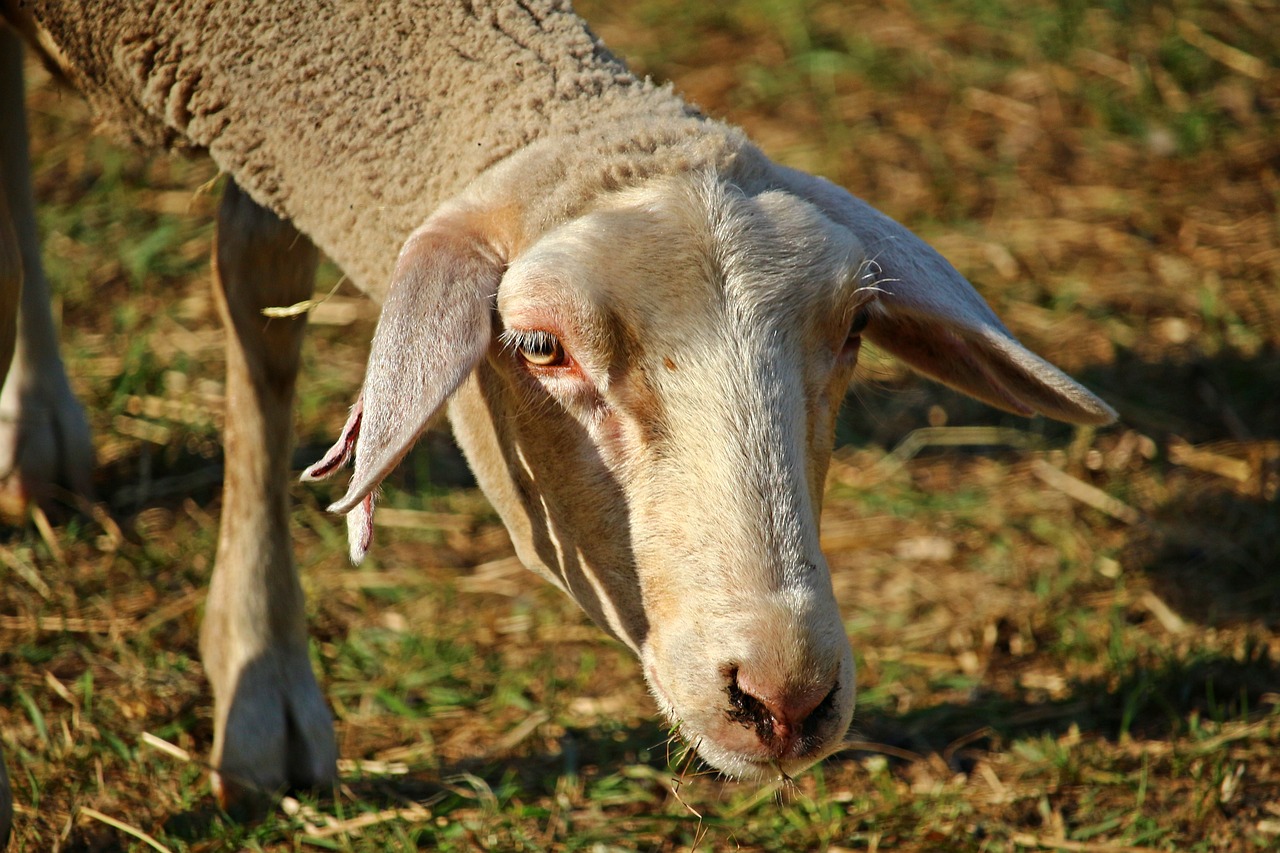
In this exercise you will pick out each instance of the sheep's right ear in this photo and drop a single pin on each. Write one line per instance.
(435, 326)
(930, 317)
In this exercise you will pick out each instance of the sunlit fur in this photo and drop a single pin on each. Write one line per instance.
(667, 470)
(704, 411)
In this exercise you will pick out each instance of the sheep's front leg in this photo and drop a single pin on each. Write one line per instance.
(44, 437)
(10, 290)
(13, 181)
(272, 728)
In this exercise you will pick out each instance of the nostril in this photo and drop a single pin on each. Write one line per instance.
(746, 708)
(785, 717)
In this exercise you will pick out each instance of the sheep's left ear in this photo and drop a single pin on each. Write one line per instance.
(931, 318)
(435, 326)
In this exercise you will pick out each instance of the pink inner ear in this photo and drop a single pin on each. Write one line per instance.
(360, 517)
(342, 450)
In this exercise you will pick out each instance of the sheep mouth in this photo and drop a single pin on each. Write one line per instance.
(774, 755)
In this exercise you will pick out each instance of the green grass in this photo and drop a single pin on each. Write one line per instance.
(1035, 674)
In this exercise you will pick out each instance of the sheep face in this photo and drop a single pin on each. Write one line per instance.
(654, 422)
(647, 392)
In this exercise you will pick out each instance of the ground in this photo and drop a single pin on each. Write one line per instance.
(1066, 639)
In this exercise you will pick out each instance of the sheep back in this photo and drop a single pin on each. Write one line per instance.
(355, 120)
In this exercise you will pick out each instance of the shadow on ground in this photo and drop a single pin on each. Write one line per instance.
(1145, 704)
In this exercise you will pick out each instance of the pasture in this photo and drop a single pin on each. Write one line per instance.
(1066, 639)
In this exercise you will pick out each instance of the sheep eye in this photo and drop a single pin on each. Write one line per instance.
(541, 349)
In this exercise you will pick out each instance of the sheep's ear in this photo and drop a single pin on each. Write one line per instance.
(931, 318)
(436, 324)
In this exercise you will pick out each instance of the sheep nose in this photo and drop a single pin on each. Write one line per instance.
(785, 717)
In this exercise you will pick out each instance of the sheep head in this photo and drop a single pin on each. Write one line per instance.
(647, 392)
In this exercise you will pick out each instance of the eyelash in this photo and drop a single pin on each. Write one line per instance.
(538, 348)
(542, 349)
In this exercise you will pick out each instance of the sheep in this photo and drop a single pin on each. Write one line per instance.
(611, 295)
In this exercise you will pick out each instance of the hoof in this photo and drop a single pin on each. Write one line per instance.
(274, 734)
(45, 446)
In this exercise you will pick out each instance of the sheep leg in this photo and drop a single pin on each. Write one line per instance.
(10, 288)
(44, 437)
(10, 285)
(13, 180)
(10, 293)
(272, 728)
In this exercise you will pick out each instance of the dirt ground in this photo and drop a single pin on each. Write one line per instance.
(1066, 639)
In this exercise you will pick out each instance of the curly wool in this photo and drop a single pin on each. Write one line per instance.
(355, 120)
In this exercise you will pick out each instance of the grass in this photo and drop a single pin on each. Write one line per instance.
(1042, 666)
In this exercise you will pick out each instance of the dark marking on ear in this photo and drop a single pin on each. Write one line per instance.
(669, 363)
(342, 450)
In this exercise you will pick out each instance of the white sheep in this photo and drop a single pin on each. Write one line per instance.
(641, 329)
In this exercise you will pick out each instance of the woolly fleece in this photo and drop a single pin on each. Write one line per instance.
(355, 120)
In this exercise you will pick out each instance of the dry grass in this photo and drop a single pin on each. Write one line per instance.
(1066, 640)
